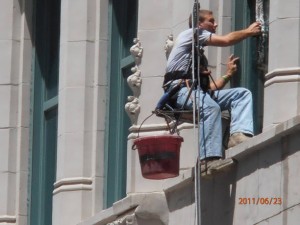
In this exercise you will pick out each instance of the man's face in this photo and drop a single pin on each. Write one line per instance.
(209, 23)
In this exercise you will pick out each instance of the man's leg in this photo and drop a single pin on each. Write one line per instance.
(239, 101)
(210, 123)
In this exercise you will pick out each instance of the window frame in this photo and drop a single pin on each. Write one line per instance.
(123, 28)
(44, 107)
(249, 75)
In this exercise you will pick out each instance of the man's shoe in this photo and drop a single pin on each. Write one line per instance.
(206, 163)
(237, 138)
(215, 165)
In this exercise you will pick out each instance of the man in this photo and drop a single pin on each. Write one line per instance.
(238, 100)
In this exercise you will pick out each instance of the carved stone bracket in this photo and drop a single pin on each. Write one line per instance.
(169, 45)
(137, 51)
(154, 207)
(143, 208)
(135, 81)
(132, 108)
(126, 220)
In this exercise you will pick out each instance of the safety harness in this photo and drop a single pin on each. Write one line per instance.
(173, 82)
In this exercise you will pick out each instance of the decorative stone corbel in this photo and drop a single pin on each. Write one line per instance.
(139, 209)
(132, 108)
(137, 51)
(130, 219)
(134, 81)
(126, 220)
(153, 207)
(169, 45)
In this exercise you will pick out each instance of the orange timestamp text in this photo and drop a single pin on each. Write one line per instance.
(260, 201)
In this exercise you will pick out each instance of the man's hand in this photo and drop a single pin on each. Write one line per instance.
(231, 69)
(231, 65)
(254, 29)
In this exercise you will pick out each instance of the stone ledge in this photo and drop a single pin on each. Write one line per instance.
(132, 202)
(267, 137)
(177, 182)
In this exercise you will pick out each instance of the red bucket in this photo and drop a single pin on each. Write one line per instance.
(159, 156)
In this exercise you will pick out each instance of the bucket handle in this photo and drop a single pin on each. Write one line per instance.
(142, 125)
(169, 128)
(134, 145)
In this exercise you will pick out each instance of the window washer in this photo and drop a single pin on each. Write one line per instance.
(214, 100)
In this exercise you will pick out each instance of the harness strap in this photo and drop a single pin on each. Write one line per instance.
(176, 75)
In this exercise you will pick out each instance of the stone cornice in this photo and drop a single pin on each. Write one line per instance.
(7, 219)
(291, 74)
(73, 184)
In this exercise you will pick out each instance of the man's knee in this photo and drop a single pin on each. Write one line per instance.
(214, 109)
(244, 90)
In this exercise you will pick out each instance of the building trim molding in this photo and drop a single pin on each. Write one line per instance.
(73, 184)
(7, 219)
(291, 74)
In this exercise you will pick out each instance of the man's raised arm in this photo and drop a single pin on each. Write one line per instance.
(235, 36)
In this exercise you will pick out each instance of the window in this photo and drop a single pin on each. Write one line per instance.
(250, 73)
(123, 15)
(44, 110)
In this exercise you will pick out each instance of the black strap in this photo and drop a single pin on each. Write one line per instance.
(157, 156)
(176, 75)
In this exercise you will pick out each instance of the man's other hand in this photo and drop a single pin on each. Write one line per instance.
(254, 29)
(232, 65)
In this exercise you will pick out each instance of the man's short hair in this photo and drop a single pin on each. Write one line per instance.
(201, 14)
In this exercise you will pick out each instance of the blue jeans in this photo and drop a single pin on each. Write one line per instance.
(237, 100)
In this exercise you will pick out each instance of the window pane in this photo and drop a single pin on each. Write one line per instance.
(47, 44)
(123, 30)
(44, 124)
(249, 73)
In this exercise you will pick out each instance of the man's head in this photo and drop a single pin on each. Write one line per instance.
(206, 20)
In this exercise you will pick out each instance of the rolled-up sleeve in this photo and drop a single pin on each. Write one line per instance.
(204, 35)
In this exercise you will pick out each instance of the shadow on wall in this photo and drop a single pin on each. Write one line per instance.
(148, 222)
(218, 194)
(269, 155)
(217, 199)
(26, 6)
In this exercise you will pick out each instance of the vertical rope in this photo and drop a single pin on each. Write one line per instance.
(195, 40)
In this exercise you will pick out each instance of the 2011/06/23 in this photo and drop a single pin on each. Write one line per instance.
(260, 201)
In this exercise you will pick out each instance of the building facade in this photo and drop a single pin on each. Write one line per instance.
(78, 79)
